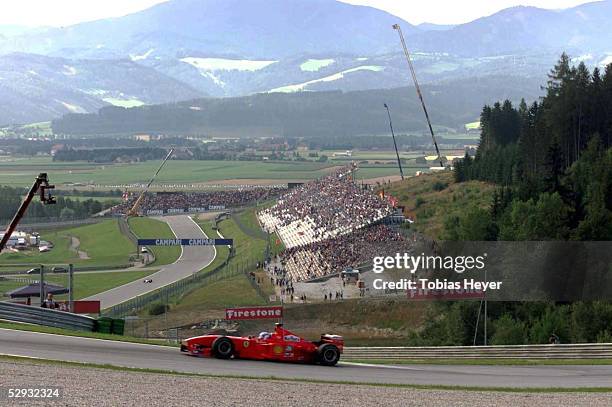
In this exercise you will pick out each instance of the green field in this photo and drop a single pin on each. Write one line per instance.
(232, 291)
(111, 199)
(176, 174)
(21, 172)
(148, 228)
(87, 284)
(431, 198)
(102, 242)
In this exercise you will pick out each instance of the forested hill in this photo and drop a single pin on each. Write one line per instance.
(451, 104)
(552, 161)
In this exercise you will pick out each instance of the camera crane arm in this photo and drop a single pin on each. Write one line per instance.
(40, 186)
(133, 211)
(418, 89)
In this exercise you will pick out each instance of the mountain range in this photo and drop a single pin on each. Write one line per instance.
(184, 49)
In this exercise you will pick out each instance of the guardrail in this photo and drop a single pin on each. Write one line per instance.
(43, 316)
(560, 351)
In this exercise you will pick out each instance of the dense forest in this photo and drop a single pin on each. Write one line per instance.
(552, 162)
(552, 165)
(64, 209)
(305, 114)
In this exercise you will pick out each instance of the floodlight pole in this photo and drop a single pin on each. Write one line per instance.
(418, 90)
(399, 163)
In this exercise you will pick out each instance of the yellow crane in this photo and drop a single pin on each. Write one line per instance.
(134, 209)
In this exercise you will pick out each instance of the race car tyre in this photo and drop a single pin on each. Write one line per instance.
(328, 354)
(223, 348)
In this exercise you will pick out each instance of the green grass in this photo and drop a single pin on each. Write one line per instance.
(300, 380)
(430, 207)
(103, 242)
(111, 199)
(148, 228)
(21, 172)
(88, 284)
(8, 285)
(80, 334)
(222, 251)
(85, 284)
(233, 291)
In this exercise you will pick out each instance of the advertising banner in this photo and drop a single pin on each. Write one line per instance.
(254, 313)
(81, 307)
(185, 242)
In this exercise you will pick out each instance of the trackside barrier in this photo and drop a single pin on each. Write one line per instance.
(561, 351)
(47, 317)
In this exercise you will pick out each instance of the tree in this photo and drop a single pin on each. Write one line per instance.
(544, 219)
(67, 213)
(476, 224)
(508, 331)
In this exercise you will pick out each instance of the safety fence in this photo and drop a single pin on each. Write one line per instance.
(557, 351)
(43, 316)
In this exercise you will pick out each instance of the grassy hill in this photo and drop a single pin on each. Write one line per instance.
(103, 244)
(430, 198)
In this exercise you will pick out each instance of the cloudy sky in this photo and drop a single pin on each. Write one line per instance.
(66, 12)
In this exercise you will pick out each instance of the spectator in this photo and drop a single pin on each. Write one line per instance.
(49, 302)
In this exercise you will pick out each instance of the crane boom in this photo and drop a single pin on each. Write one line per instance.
(418, 90)
(134, 209)
(399, 162)
(42, 187)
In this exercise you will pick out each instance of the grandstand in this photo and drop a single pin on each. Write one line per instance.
(178, 202)
(328, 225)
(326, 208)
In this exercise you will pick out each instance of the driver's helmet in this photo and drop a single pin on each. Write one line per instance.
(265, 335)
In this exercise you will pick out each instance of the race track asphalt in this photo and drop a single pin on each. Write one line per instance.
(21, 343)
(192, 260)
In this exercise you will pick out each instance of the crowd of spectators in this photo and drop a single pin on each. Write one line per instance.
(185, 201)
(324, 208)
(334, 255)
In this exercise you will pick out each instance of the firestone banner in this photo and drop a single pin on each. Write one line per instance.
(254, 313)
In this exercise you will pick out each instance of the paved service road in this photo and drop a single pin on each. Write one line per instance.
(160, 357)
(192, 260)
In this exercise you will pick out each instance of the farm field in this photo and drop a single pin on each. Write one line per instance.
(177, 174)
(22, 172)
(101, 244)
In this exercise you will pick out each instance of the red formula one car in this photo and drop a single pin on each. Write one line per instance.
(280, 345)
